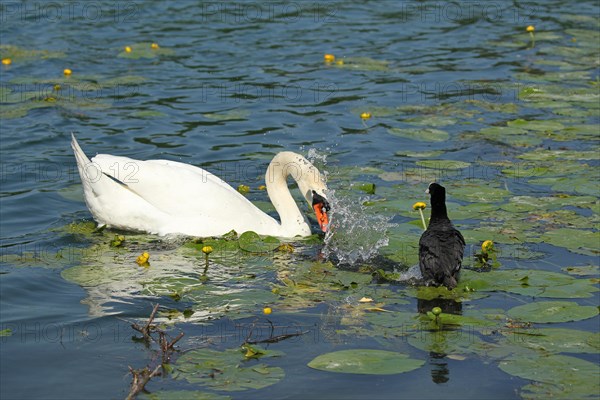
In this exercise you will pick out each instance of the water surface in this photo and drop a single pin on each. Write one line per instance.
(458, 92)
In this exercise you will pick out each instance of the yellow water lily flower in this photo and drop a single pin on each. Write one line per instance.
(243, 189)
(329, 57)
(267, 310)
(67, 71)
(207, 250)
(142, 259)
(154, 46)
(487, 246)
(419, 205)
(6, 61)
(127, 49)
(285, 248)
(530, 28)
(365, 115)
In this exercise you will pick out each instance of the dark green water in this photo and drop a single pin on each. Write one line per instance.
(458, 92)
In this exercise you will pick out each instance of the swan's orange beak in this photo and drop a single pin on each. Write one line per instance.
(321, 207)
(322, 217)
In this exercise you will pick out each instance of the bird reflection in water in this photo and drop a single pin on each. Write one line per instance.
(440, 373)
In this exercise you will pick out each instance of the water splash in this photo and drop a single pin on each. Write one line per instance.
(413, 274)
(355, 235)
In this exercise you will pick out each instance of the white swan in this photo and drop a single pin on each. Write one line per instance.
(169, 197)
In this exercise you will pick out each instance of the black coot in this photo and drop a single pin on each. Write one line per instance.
(441, 246)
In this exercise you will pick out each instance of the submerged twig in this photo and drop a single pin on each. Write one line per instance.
(271, 338)
(278, 338)
(140, 379)
(166, 344)
(145, 330)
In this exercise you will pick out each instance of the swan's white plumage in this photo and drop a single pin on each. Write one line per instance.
(169, 197)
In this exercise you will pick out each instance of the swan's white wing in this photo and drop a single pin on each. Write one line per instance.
(180, 198)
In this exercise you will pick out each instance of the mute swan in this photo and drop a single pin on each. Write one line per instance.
(169, 197)
(441, 246)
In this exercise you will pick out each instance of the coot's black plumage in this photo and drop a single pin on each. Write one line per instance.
(441, 246)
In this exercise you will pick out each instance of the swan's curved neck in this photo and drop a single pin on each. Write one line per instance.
(283, 165)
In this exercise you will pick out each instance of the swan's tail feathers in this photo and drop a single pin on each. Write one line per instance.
(89, 171)
(80, 156)
(91, 174)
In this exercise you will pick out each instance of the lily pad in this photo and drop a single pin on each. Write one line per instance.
(6, 332)
(456, 341)
(509, 135)
(564, 377)
(231, 115)
(552, 311)
(576, 240)
(252, 242)
(363, 64)
(147, 114)
(431, 120)
(443, 164)
(579, 185)
(425, 134)
(476, 190)
(365, 361)
(18, 54)
(555, 340)
(225, 370)
(419, 154)
(535, 283)
(184, 395)
(563, 154)
(585, 270)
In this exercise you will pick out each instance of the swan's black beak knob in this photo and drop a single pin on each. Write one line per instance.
(321, 207)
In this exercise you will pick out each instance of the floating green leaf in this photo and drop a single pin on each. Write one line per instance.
(535, 283)
(184, 395)
(513, 136)
(585, 270)
(365, 361)
(555, 340)
(18, 54)
(419, 154)
(252, 242)
(476, 190)
(552, 311)
(225, 370)
(363, 64)
(425, 134)
(443, 164)
(563, 377)
(148, 114)
(451, 341)
(576, 240)
(368, 188)
(563, 154)
(231, 115)
(431, 120)
(6, 332)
